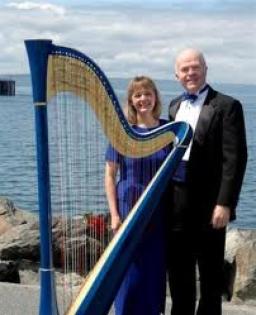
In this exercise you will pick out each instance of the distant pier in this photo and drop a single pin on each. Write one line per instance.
(7, 87)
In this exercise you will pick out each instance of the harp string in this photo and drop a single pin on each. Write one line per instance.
(77, 146)
(77, 165)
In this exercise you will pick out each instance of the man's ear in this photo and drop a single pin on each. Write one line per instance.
(176, 76)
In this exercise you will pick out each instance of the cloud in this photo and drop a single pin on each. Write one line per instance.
(27, 5)
(128, 41)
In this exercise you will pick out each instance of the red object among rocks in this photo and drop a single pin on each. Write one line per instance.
(96, 224)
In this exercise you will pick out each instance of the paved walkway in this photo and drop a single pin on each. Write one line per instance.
(18, 299)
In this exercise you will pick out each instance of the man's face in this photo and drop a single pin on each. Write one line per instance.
(191, 71)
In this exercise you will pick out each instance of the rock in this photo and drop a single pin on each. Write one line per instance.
(245, 285)
(68, 280)
(20, 242)
(235, 239)
(9, 272)
(8, 216)
(28, 272)
(6, 206)
(241, 250)
(19, 235)
(11, 216)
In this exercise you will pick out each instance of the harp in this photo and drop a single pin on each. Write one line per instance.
(72, 98)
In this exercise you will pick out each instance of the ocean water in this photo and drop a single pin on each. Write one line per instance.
(18, 179)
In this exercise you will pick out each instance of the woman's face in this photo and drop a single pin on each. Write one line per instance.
(144, 100)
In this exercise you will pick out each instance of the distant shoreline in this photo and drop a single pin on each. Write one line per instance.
(126, 79)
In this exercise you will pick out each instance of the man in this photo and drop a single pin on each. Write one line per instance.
(205, 188)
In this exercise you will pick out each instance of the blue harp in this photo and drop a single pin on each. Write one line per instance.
(76, 114)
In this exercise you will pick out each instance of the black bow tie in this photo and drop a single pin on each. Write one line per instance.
(193, 97)
(189, 97)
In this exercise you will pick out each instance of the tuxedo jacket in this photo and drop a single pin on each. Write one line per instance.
(218, 154)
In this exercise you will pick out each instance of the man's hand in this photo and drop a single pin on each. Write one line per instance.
(220, 216)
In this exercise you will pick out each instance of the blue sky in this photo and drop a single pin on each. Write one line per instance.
(133, 37)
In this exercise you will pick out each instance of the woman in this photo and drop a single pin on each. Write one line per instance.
(143, 288)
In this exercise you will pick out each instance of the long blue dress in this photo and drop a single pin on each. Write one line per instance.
(142, 291)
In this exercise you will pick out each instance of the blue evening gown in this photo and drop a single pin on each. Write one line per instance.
(142, 291)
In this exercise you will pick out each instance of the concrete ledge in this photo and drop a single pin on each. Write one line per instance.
(17, 299)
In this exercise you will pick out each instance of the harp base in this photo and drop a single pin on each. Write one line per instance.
(48, 300)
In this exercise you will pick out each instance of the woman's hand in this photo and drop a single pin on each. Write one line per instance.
(115, 223)
(110, 187)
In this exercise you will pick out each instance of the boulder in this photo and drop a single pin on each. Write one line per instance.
(241, 255)
(10, 216)
(19, 236)
(9, 272)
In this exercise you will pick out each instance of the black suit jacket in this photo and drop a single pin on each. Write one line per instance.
(218, 155)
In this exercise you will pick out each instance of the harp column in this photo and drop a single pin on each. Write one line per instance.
(38, 51)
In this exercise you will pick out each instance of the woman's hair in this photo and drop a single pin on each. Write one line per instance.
(135, 84)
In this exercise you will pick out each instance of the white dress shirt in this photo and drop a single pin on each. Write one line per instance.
(189, 112)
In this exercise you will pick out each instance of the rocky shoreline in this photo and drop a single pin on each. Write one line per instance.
(19, 251)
